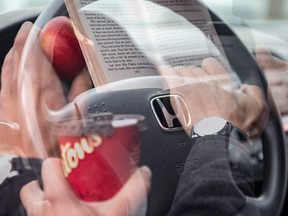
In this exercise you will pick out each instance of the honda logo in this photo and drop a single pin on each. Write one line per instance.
(171, 118)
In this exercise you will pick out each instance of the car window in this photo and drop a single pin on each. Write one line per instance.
(11, 5)
(249, 10)
(266, 20)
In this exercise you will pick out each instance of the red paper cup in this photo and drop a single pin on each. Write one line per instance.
(99, 153)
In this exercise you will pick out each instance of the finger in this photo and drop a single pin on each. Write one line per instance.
(52, 94)
(6, 72)
(268, 62)
(54, 182)
(31, 194)
(9, 76)
(6, 93)
(257, 108)
(186, 72)
(216, 71)
(283, 106)
(10, 135)
(8, 59)
(213, 66)
(199, 74)
(40, 76)
(132, 199)
(264, 58)
(11, 63)
(18, 46)
(171, 77)
(280, 92)
(80, 84)
(277, 79)
(22, 35)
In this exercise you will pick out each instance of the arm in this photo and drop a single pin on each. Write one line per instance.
(44, 93)
(57, 197)
(33, 84)
(276, 72)
(206, 186)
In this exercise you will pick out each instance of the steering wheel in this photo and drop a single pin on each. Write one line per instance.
(165, 151)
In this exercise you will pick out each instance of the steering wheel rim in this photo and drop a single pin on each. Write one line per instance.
(275, 164)
(272, 197)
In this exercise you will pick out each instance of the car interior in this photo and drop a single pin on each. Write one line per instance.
(267, 156)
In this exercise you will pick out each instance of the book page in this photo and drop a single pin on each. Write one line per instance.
(134, 37)
(115, 50)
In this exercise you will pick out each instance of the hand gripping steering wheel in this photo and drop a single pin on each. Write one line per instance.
(162, 151)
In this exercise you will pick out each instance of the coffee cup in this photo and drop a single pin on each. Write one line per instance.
(99, 152)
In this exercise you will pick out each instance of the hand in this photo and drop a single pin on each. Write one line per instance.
(58, 199)
(245, 107)
(30, 91)
(276, 72)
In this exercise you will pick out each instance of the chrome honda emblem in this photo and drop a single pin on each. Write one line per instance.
(171, 118)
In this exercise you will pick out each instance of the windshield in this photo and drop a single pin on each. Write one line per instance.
(249, 10)
(11, 5)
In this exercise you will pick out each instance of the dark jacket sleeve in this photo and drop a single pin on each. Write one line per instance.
(206, 187)
(10, 203)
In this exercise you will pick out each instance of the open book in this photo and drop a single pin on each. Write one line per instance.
(124, 39)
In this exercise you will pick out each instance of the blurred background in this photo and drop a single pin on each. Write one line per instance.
(248, 9)
(10, 5)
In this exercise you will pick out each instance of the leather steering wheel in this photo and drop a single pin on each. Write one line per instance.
(158, 151)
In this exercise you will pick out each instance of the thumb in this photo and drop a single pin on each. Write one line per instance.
(132, 198)
(259, 111)
(54, 182)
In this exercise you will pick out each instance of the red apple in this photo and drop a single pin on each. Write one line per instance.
(61, 46)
